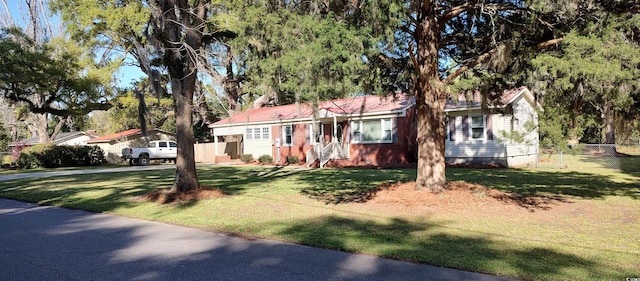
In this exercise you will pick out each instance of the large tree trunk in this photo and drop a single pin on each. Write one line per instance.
(41, 127)
(181, 36)
(186, 176)
(608, 118)
(430, 101)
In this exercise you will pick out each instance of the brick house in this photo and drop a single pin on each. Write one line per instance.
(368, 131)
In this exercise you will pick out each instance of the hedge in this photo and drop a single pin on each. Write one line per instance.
(52, 156)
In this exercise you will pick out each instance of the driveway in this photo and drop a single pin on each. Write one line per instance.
(50, 243)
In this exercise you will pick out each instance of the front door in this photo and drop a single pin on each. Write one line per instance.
(327, 133)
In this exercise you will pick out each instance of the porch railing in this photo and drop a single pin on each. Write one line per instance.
(313, 154)
(331, 151)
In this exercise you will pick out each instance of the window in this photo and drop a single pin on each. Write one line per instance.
(287, 135)
(355, 131)
(446, 128)
(257, 133)
(317, 136)
(173, 144)
(386, 130)
(151, 144)
(380, 130)
(162, 144)
(477, 127)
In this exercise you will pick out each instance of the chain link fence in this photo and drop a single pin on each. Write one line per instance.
(581, 157)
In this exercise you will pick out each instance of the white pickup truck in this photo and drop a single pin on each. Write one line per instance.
(155, 150)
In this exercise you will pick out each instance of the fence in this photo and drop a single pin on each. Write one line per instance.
(204, 152)
(581, 157)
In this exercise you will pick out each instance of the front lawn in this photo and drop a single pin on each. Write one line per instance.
(555, 224)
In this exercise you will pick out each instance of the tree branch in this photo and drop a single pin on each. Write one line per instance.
(549, 43)
(473, 63)
(456, 11)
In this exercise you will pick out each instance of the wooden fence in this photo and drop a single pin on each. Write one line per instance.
(204, 152)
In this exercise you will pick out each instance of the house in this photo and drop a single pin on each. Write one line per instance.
(70, 138)
(113, 144)
(379, 131)
(504, 135)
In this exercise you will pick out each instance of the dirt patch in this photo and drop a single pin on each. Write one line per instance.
(164, 196)
(459, 195)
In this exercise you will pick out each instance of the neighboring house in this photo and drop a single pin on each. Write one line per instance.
(71, 138)
(114, 143)
(376, 131)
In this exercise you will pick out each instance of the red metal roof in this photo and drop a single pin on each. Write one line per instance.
(474, 99)
(344, 106)
(353, 105)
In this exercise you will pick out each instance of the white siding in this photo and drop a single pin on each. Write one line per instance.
(523, 112)
(520, 155)
(473, 148)
(257, 148)
(80, 140)
(500, 150)
(229, 131)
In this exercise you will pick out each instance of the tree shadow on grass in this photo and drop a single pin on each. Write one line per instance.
(350, 185)
(541, 183)
(427, 242)
(235, 180)
(117, 190)
(533, 190)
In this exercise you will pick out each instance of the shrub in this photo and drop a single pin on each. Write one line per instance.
(33, 157)
(265, 159)
(51, 156)
(7, 159)
(96, 155)
(292, 159)
(246, 158)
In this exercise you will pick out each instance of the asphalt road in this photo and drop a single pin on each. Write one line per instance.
(50, 243)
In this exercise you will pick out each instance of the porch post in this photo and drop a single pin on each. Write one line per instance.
(335, 129)
(215, 148)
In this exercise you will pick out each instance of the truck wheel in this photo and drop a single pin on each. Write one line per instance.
(143, 160)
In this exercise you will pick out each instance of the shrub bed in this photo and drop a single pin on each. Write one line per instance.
(52, 156)
(265, 159)
(246, 158)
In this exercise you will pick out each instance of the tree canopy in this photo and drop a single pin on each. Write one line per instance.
(593, 78)
(54, 77)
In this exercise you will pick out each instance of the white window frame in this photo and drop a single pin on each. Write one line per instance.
(446, 127)
(284, 135)
(357, 126)
(482, 126)
(312, 137)
(257, 133)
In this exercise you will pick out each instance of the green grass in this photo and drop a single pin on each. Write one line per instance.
(41, 170)
(595, 240)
